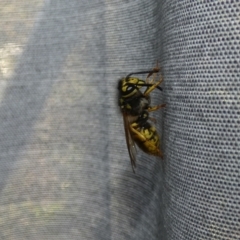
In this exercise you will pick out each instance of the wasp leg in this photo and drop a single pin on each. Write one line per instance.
(152, 119)
(143, 72)
(155, 85)
(154, 70)
(140, 136)
(154, 108)
(152, 80)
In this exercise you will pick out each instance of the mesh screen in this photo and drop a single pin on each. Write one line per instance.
(65, 172)
(201, 50)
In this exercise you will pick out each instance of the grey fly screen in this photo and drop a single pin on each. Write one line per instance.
(65, 172)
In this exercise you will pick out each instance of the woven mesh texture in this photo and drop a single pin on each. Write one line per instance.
(202, 121)
(65, 172)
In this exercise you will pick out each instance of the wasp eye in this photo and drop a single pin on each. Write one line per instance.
(130, 88)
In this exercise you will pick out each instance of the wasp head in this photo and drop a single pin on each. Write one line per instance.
(128, 87)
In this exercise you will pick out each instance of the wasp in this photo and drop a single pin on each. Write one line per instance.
(135, 107)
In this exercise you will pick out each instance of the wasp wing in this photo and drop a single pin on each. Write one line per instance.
(130, 143)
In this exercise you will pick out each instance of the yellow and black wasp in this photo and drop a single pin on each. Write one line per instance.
(135, 107)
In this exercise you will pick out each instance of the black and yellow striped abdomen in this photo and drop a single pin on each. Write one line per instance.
(147, 138)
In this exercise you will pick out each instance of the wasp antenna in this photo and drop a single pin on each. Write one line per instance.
(146, 85)
(144, 72)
